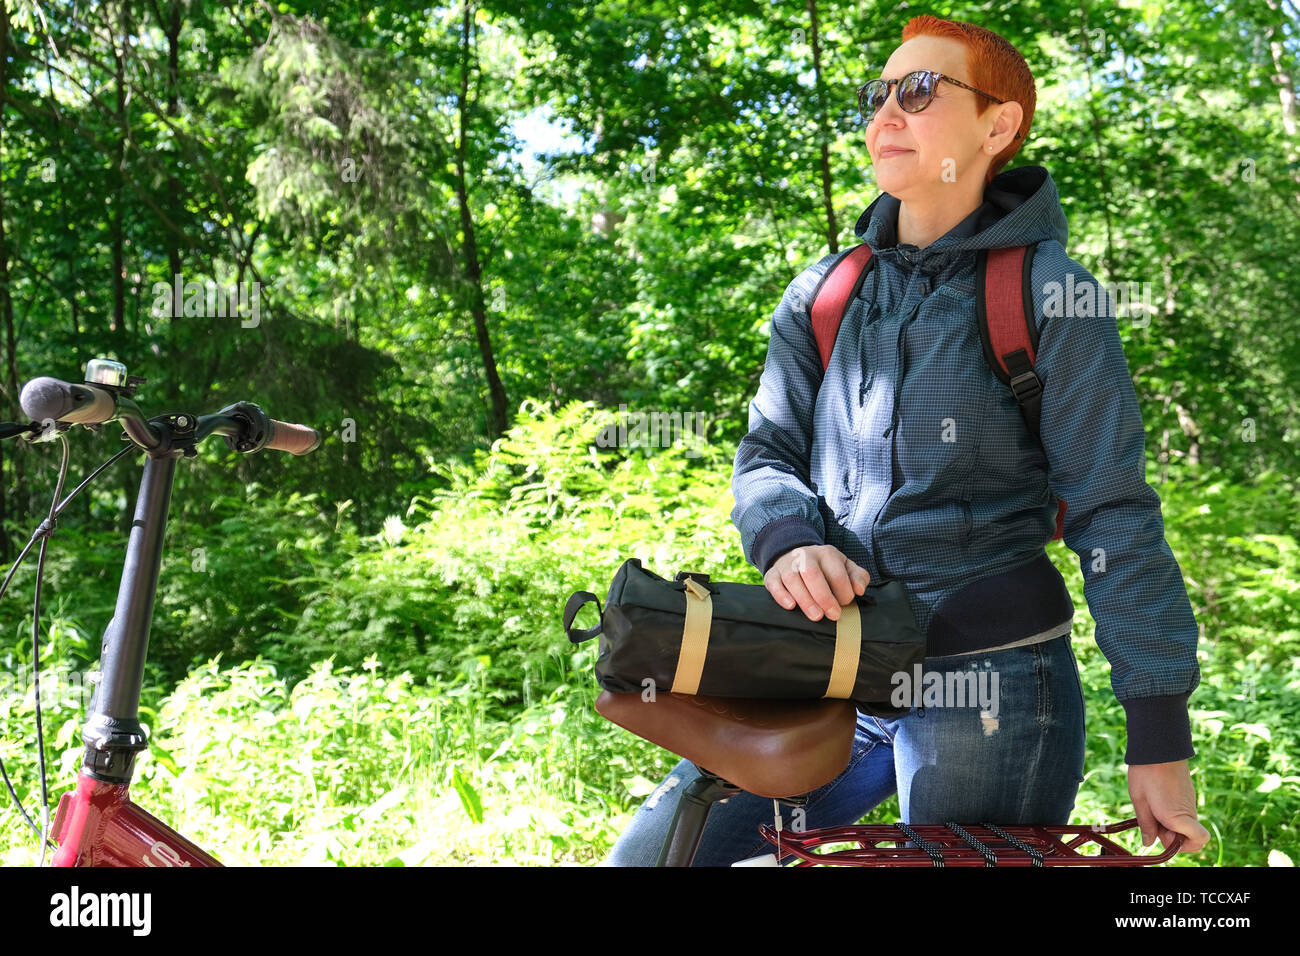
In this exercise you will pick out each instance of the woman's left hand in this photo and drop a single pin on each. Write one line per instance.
(1165, 802)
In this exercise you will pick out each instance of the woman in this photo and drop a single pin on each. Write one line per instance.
(908, 459)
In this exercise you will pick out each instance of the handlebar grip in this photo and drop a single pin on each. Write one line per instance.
(295, 439)
(45, 399)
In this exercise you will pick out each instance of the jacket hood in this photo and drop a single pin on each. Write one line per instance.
(1021, 207)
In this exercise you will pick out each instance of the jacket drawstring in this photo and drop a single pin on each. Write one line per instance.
(871, 362)
(900, 361)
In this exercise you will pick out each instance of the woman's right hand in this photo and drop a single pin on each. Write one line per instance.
(819, 578)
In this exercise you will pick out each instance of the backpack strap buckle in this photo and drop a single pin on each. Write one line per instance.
(1027, 386)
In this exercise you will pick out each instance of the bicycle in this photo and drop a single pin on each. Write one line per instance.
(96, 823)
(786, 749)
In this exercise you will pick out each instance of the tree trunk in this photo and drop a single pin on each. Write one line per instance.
(1193, 432)
(173, 30)
(473, 270)
(1285, 91)
(6, 300)
(823, 131)
(116, 232)
(1102, 178)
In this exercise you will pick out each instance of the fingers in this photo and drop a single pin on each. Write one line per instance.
(1170, 828)
(1167, 837)
(1165, 802)
(1185, 825)
(859, 576)
(836, 575)
(796, 592)
(1146, 822)
(778, 590)
(846, 579)
(819, 579)
(806, 572)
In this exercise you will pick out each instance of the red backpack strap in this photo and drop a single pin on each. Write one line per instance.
(1004, 300)
(837, 288)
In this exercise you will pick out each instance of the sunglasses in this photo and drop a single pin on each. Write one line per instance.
(915, 91)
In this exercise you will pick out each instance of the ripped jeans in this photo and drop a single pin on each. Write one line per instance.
(1011, 752)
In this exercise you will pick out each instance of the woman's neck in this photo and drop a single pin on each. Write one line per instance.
(921, 224)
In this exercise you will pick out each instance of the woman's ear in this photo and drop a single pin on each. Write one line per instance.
(1007, 124)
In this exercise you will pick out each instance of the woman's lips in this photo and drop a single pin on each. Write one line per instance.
(892, 151)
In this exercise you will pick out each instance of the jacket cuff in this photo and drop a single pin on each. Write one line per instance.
(782, 535)
(1159, 729)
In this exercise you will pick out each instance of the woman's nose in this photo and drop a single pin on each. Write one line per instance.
(890, 112)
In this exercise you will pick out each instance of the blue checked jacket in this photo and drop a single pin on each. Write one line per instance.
(911, 457)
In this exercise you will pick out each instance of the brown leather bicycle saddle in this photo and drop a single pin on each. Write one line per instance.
(771, 748)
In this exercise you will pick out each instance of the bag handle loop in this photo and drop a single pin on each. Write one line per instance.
(575, 603)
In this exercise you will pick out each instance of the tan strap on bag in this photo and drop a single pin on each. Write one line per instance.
(695, 638)
(695, 645)
(848, 648)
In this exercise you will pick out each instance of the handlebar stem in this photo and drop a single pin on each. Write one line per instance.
(112, 733)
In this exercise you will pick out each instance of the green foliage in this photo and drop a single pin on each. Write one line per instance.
(232, 585)
(546, 513)
(495, 555)
(349, 767)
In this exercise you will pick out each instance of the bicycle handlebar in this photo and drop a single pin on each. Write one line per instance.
(49, 399)
(295, 439)
(244, 425)
(261, 431)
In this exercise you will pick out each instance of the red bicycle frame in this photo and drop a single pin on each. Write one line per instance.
(98, 825)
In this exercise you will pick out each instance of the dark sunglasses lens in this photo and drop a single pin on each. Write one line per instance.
(917, 89)
(871, 98)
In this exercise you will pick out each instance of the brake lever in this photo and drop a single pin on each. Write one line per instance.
(13, 429)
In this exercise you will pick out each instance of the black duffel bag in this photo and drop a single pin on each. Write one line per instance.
(694, 636)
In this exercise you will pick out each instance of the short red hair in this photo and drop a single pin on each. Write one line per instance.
(995, 66)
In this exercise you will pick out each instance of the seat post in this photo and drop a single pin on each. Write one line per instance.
(692, 813)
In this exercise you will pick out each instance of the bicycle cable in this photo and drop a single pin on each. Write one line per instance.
(43, 532)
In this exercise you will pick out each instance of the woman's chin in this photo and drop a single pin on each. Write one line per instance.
(892, 182)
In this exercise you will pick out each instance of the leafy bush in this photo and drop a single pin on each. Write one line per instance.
(489, 564)
(352, 767)
(232, 585)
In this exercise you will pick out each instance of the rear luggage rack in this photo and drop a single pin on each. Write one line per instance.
(970, 844)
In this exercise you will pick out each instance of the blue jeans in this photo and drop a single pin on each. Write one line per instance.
(962, 761)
